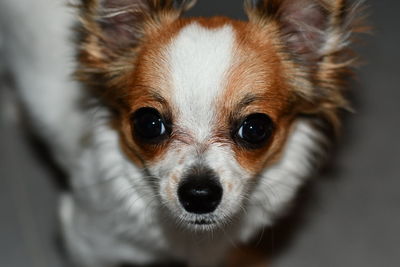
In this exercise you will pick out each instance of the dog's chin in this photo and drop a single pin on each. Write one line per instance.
(201, 226)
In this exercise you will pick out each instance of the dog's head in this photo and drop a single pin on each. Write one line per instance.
(206, 106)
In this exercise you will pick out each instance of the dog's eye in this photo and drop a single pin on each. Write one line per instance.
(148, 125)
(255, 130)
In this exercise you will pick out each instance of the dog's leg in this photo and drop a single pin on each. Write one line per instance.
(91, 240)
(37, 51)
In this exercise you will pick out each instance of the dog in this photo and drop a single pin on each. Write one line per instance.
(180, 136)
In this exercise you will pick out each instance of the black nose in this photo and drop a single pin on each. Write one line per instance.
(200, 192)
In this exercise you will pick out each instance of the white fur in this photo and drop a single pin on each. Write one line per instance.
(113, 212)
(199, 59)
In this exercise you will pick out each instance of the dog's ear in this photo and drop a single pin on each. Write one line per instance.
(115, 25)
(316, 35)
(109, 35)
(310, 28)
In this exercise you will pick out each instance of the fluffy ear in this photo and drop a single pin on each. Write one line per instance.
(120, 24)
(310, 28)
(316, 34)
(109, 33)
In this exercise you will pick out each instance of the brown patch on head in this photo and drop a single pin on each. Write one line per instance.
(110, 35)
(256, 84)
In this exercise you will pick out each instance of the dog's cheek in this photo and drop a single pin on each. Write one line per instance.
(236, 185)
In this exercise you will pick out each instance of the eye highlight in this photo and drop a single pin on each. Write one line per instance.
(254, 131)
(149, 126)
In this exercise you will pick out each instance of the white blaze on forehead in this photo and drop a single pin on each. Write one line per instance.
(199, 59)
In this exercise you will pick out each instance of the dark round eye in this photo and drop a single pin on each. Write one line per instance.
(255, 130)
(148, 125)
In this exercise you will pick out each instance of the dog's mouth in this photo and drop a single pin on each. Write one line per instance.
(202, 222)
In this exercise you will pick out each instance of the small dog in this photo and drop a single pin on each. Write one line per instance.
(179, 135)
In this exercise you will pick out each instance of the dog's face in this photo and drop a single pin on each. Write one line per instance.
(210, 111)
(205, 106)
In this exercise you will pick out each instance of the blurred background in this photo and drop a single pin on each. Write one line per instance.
(348, 216)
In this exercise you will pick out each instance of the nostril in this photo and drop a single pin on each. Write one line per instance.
(200, 194)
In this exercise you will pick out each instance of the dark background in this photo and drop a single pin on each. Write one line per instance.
(350, 215)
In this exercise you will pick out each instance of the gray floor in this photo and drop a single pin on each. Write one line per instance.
(352, 213)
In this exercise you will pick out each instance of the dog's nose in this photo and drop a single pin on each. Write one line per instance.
(200, 193)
